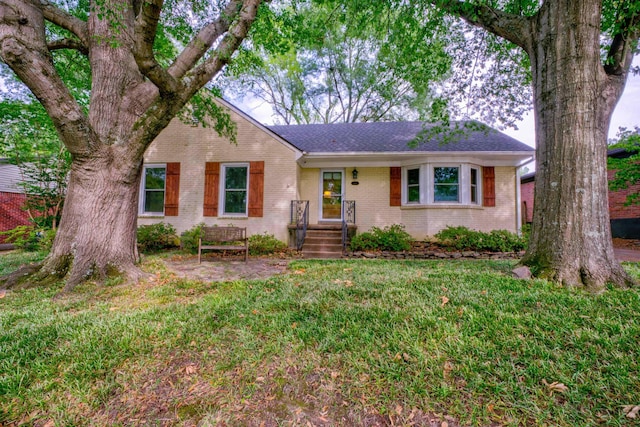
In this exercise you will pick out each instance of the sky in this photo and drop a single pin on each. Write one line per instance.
(626, 114)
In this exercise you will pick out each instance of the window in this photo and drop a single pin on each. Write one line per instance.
(234, 189)
(473, 190)
(413, 185)
(446, 184)
(153, 189)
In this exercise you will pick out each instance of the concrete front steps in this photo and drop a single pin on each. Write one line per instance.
(323, 241)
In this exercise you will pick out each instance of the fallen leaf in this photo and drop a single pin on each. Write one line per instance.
(399, 409)
(190, 369)
(49, 423)
(444, 424)
(335, 375)
(555, 386)
(294, 325)
(3, 293)
(631, 411)
(448, 367)
(444, 300)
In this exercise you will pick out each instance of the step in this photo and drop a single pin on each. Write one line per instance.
(322, 255)
(322, 247)
(324, 239)
(324, 233)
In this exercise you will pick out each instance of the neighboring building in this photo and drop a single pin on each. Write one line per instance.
(625, 220)
(12, 198)
(192, 175)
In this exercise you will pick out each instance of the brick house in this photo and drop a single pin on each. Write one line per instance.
(286, 180)
(625, 220)
(12, 199)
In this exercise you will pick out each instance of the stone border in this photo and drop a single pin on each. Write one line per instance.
(434, 255)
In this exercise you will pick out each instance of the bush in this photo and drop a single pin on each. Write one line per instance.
(390, 238)
(189, 238)
(265, 244)
(463, 238)
(156, 237)
(23, 237)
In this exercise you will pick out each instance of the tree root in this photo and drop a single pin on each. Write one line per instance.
(22, 278)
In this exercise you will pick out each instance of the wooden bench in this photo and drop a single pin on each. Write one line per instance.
(214, 238)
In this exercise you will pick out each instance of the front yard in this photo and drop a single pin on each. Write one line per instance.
(351, 342)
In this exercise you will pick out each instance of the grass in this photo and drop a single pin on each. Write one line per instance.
(330, 343)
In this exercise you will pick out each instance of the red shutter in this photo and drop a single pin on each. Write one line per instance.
(489, 186)
(211, 185)
(172, 190)
(395, 195)
(256, 188)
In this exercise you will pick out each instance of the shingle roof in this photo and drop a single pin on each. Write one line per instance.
(393, 137)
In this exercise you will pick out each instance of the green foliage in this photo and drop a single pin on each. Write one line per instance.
(23, 237)
(30, 238)
(462, 238)
(627, 169)
(390, 238)
(156, 237)
(189, 238)
(265, 244)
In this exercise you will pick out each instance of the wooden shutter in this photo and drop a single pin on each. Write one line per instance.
(172, 190)
(256, 188)
(211, 186)
(489, 186)
(395, 196)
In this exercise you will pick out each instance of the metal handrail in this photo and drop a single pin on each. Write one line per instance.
(348, 217)
(300, 217)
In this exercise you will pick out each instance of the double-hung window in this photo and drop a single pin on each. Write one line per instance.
(153, 189)
(446, 184)
(413, 185)
(235, 180)
(473, 185)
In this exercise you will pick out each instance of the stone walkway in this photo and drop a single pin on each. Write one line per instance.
(631, 255)
(227, 269)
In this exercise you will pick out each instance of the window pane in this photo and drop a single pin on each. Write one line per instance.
(235, 202)
(236, 178)
(154, 201)
(154, 178)
(414, 194)
(445, 175)
(474, 176)
(446, 193)
(413, 176)
(474, 194)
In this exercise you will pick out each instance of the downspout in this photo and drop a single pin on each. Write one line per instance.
(519, 197)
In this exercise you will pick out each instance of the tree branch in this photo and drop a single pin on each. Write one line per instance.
(620, 52)
(508, 26)
(228, 45)
(202, 42)
(65, 20)
(68, 44)
(146, 27)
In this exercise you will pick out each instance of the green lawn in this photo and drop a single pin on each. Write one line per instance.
(330, 343)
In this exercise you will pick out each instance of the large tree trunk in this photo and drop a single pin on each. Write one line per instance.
(97, 233)
(573, 101)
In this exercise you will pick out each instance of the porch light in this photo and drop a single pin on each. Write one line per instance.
(327, 194)
(354, 173)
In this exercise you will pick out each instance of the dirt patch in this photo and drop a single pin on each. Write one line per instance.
(224, 269)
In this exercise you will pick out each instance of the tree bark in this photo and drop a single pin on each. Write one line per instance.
(573, 101)
(97, 233)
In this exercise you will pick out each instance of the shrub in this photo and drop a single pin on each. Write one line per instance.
(265, 244)
(189, 238)
(23, 237)
(463, 238)
(156, 237)
(390, 238)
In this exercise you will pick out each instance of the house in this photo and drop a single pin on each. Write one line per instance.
(625, 220)
(12, 198)
(287, 179)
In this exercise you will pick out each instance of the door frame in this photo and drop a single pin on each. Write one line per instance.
(321, 190)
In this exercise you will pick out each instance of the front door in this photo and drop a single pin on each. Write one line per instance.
(331, 196)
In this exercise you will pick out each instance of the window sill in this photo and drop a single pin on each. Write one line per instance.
(151, 216)
(441, 206)
(233, 217)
